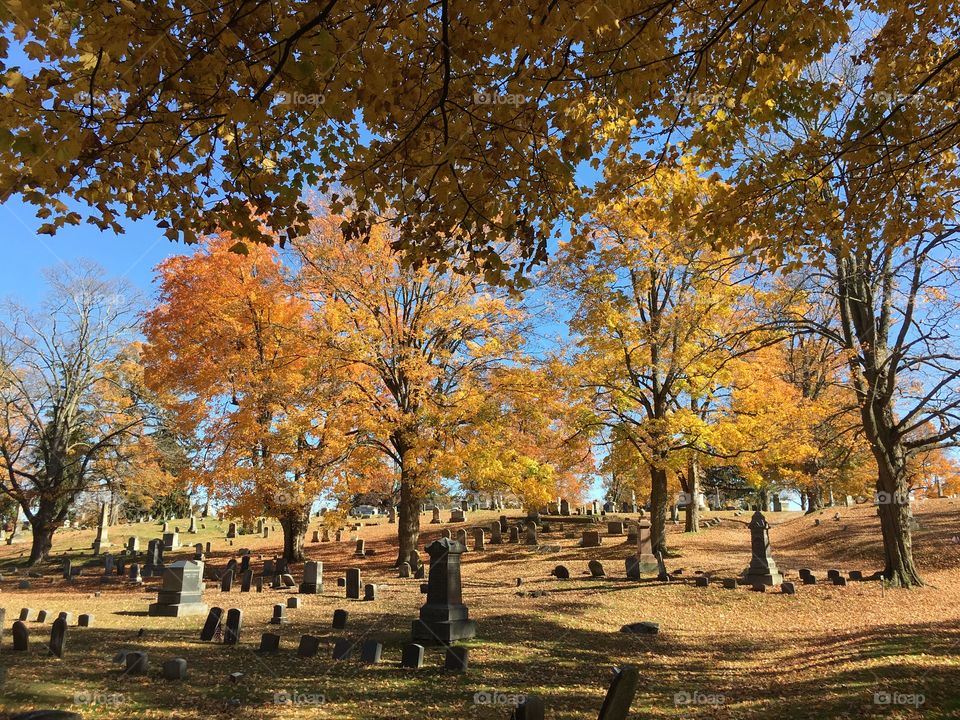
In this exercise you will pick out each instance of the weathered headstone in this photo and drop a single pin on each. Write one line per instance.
(404, 570)
(462, 538)
(134, 574)
(561, 573)
(312, 577)
(137, 663)
(309, 646)
(370, 651)
(231, 633)
(279, 614)
(316, 537)
(21, 636)
(369, 592)
(246, 580)
(340, 619)
(591, 538)
(435, 520)
(496, 534)
(616, 704)
(269, 642)
(596, 569)
(174, 669)
(133, 545)
(412, 656)
(353, 583)
(478, 538)
(564, 507)
(171, 541)
(763, 568)
(361, 547)
(446, 533)
(181, 592)
(531, 533)
(444, 618)
(231, 531)
(226, 581)
(214, 618)
(342, 649)
(456, 659)
(85, 620)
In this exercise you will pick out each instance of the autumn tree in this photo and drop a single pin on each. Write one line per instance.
(426, 341)
(656, 315)
(469, 117)
(229, 351)
(70, 382)
(874, 224)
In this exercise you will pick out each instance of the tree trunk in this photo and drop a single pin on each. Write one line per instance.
(692, 519)
(814, 500)
(294, 523)
(764, 500)
(42, 526)
(408, 518)
(658, 509)
(893, 500)
(803, 501)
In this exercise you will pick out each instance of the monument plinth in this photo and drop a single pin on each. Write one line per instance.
(444, 618)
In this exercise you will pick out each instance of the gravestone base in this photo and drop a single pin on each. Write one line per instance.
(774, 577)
(182, 609)
(443, 632)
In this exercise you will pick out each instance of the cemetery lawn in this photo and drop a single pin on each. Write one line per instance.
(826, 652)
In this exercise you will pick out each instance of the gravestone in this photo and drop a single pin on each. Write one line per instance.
(134, 574)
(226, 582)
(729, 584)
(457, 659)
(478, 538)
(353, 583)
(154, 564)
(133, 545)
(457, 516)
(102, 541)
(21, 636)
(85, 620)
(391, 515)
(496, 535)
(246, 581)
(591, 538)
(16, 535)
(412, 656)
(645, 557)
(212, 624)
(25, 614)
(596, 569)
(137, 663)
(616, 704)
(42, 616)
(181, 592)
(701, 581)
(67, 569)
(309, 646)
(231, 531)
(532, 708)
(316, 536)
(614, 528)
(370, 651)
(788, 588)
(174, 669)
(435, 520)
(531, 533)
(369, 592)
(514, 534)
(66, 617)
(340, 619)
(279, 614)
(360, 548)
(404, 570)
(269, 643)
(171, 541)
(444, 618)
(293, 603)
(564, 507)
(445, 533)
(326, 535)
(762, 568)
(312, 577)
(192, 530)
(58, 637)
(561, 573)
(198, 551)
(231, 633)
(462, 538)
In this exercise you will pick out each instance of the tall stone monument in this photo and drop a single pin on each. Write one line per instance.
(103, 540)
(646, 559)
(763, 569)
(444, 617)
(16, 536)
(181, 591)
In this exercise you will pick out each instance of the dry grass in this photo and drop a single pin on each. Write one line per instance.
(822, 653)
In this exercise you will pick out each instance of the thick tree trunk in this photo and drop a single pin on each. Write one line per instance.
(893, 500)
(814, 500)
(803, 501)
(658, 509)
(764, 500)
(692, 488)
(294, 523)
(42, 528)
(408, 519)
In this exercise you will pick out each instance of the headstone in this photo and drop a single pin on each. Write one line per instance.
(67, 569)
(25, 614)
(192, 530)
(478, 538)
(137, 663)
(614, 528)
(16, 535)
(729, 584)
(531, 708)
(316, 536)
(340, 619)
(404, 570)
(391, 515)
(596, 569)
(309, 646)
(102, 540)
(174, 669)
(360, 548)
(134, 574)
(531, 533)
(496, 534)
(762, 568)
(514, 534)
(154, 564)
(58, 637)
(85, 620)
(564, 507)
(645, 557)
(226, 582)
(212, 624)
(181, 592)
(326, 535)
(198, 551)
(232, 531)
(42, 616)
(462, 538)
(370, 651)
(66, 617)
(133, 545)
(246, 580)
(269, 642)
(457, 659)
(561, 573)
(446, 533)
(171, 541)
(353, 583)
(457, 516)
(444, 617)
(21, 636)
(231, 634)
(788, 588)
(279, 614)
(293, 603)
(435, 520)
(312, 577)
(591, 538)
(616, 705)
(412, 656)
(369, 592)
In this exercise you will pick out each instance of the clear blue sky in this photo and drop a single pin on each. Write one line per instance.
(26, 254)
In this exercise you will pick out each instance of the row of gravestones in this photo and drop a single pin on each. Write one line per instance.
(616, 703)
(58, 632)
